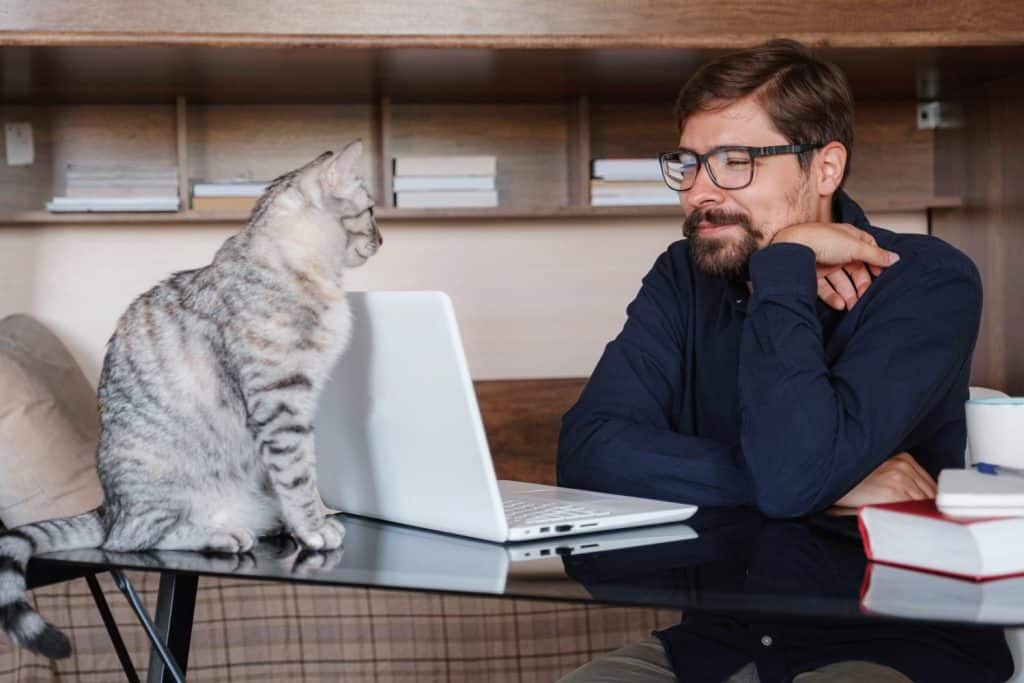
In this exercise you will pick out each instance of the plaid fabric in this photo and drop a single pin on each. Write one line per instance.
(257, 631)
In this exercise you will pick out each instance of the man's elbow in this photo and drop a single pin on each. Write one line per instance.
(779, 501)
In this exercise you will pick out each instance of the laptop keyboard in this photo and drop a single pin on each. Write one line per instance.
(528, 512)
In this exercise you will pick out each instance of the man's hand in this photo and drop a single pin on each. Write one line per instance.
(897, 479)
(843, 256)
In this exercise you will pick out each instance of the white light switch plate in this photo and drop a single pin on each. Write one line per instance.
(18, 139)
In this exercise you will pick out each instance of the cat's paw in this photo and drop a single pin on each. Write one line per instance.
(234, 541)
(327, 536)
(307, 562)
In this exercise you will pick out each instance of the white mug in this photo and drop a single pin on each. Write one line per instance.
(995, 431)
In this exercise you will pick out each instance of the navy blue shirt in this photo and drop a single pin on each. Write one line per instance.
(719, 396)
(741, 558)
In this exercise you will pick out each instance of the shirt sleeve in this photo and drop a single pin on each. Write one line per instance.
(620, 437)
(812, 429)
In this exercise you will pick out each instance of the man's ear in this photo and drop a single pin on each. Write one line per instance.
(828, 167)
(339, 167)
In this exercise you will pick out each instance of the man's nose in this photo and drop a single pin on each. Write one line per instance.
(703, 193)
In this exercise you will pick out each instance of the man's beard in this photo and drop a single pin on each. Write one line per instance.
(722, 256)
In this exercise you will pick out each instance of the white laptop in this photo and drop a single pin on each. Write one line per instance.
(401, 556)
(399, 437)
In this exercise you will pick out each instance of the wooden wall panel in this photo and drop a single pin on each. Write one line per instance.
(522, 419)
(676, 24)
(982, 160)
(529, 141)
(260, 142)
(106, 135)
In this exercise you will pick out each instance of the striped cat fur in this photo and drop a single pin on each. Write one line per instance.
(208, 392)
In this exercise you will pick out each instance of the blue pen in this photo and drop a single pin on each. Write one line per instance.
(989, 468)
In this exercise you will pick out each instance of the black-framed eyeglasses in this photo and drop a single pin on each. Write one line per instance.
(730, 167)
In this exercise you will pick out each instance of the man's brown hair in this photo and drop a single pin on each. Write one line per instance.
(808, 100)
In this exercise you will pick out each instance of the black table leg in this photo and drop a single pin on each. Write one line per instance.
(112, 630)
(175, 608)
(157, 637)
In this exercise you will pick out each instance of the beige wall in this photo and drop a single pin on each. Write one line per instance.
(534, 298)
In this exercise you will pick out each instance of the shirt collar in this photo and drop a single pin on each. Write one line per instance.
(846, 210)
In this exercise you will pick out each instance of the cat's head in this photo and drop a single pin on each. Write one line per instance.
(332, 185)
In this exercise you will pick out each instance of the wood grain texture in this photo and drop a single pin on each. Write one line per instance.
(891, 157)
(522, 419)
(981, 159)
(697, 22)
(261, 142)
(529, 141)
(472, 218)
(121, 135)
(143, 73)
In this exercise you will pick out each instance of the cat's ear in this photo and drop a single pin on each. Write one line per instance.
(339, 167)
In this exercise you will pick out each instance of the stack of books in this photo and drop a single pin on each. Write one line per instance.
(629, 182)
(926, 564)
(227, 195)
(916, 534)
(445, 182)
(117, 188)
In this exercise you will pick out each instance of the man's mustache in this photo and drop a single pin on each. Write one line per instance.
(716, 217)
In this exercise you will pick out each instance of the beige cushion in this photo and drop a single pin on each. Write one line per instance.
(48, 427)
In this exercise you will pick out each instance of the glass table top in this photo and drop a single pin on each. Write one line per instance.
(731, 561)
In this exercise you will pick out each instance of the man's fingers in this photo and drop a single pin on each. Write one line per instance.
(924, 479)
(858, 273)
(829, 296)
(841, 282)
(876, 256)
(920, 479)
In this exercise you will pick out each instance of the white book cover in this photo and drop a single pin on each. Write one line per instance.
(76, 204)
(229, 189)
(445, 165)
(414, 183)
(635, 200)
(444, 200)
(898, 591)
(114, 190)
(626, 169)
(609, 186)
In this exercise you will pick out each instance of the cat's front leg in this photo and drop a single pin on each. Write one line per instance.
(290, 459)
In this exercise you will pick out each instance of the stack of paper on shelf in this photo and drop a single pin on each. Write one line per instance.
(445, 182)
(227, 195)
(629, 182)
(117, 188)
(916, 534)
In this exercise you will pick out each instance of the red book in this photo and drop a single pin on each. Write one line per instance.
(915, 534)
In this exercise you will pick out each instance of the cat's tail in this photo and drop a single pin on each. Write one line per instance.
(17, 618)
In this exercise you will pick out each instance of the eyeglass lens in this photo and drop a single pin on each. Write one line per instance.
(730, 169)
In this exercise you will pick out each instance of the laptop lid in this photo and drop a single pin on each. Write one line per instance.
(398, 431)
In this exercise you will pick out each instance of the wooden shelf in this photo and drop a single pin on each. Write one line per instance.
(869, 203)
(155, 74)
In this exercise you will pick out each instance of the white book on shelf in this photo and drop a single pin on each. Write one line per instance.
(445, 165)
(229, 188)
(108, 190)
(627, 186)
(634, 200)
(77, 204)
(419, 183)
(446, 200)
(626, 169)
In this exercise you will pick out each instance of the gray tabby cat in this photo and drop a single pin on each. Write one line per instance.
(208, 392)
